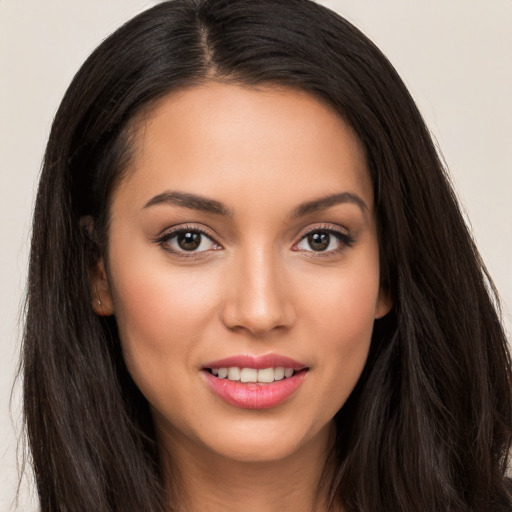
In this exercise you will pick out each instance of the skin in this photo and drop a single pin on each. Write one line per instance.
(255, 286)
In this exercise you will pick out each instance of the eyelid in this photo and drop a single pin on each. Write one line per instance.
(345, 238)
(342, 234)
(179, 228)
(173, 231)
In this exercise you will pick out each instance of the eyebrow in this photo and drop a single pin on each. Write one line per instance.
(190, 201)
(322, 203)
(204, 204)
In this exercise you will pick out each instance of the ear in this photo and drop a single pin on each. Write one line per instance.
(100, 290)
(384, 303)
(102, 303)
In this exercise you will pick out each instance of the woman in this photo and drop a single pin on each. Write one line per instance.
(250, 283)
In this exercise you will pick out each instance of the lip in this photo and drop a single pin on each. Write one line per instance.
(252, 395)
(256, 362)
(255, 395)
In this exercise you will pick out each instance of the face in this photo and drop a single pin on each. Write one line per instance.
(243, 269)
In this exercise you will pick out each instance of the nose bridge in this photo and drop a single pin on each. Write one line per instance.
(258, 300)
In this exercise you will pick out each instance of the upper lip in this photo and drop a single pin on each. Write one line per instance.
(257, 362)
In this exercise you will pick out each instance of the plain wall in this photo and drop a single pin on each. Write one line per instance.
(454, 56)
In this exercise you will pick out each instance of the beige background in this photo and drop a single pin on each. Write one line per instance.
(454, 55)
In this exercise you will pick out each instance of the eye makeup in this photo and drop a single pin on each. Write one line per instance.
(193, 241)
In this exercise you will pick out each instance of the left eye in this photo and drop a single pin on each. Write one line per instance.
(189, 241)
(321, 241)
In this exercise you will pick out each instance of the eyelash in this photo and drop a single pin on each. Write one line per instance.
(169, 235)
(346, 240)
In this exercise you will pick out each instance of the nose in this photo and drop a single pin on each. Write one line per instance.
(258, 297)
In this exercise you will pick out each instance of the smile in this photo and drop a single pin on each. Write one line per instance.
(263, 376)
(255, 382)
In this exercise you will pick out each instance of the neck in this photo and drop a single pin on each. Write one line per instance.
(210, 481)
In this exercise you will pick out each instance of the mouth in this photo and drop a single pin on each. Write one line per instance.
(254, 375)
(260, 382)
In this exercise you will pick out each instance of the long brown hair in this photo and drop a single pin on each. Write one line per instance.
(428, 427)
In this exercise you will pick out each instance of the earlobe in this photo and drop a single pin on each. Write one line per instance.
(384, 303)
(101, 298)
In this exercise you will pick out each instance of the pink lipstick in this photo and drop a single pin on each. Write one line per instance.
(254, 382)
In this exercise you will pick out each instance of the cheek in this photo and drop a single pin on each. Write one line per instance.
(347, 328)
(160, 314)
(342, 319)
(344, 302)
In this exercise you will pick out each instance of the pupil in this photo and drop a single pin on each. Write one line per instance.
(189, 241)
(319, 241)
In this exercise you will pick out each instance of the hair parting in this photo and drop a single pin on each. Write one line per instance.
(428, 427)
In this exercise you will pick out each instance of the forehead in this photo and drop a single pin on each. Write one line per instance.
(217, 139)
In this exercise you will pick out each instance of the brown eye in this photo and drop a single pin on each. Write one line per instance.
(189, 240)
(324, 240)
(319, 240)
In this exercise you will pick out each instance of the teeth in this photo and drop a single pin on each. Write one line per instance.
(248, 375)
(234, 373)
(279, 373)
(264, 376)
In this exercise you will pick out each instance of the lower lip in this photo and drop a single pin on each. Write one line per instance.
(252, 395)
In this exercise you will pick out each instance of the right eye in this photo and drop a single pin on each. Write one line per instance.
(183, 240)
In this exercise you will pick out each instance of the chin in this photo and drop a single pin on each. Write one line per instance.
(264, 441)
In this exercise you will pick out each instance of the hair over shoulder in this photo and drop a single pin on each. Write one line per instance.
(428, 427)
